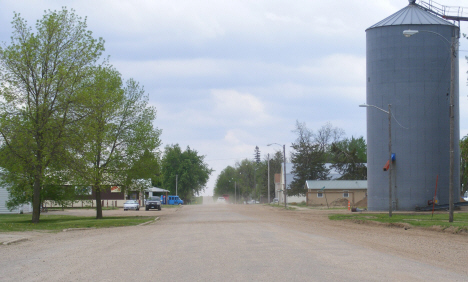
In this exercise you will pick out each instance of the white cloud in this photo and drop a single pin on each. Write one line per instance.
(243, 108)
(337, 69)
(172, 68)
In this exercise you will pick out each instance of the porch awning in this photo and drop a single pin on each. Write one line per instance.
(156, 189)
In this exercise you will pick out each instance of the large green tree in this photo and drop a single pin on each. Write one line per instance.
(40, 73)
(188, 167)
(308, 158)
(349, 158)
(246, 175)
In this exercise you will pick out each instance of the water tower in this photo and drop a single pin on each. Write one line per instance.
(413, 75)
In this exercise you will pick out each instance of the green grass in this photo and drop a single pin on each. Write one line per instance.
(415, 219)
(22, 222)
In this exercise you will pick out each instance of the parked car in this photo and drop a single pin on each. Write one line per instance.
(221, 200)
(253, 202)
(153, 202)
(275, 201)
(131, 205)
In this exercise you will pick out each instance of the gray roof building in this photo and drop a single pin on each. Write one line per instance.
(336, 184)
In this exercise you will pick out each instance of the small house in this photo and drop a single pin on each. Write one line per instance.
(336, 192)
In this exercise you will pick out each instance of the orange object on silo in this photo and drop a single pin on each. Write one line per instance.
(386, 166)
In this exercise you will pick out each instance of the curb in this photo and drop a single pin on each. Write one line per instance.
(149, 222)
(15, 241)
(77, 229)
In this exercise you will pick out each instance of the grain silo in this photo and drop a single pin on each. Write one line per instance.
(413, 75)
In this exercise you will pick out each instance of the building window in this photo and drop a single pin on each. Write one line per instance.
(319, 195)
(345, 194)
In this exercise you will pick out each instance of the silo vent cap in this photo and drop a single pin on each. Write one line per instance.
(412, 2)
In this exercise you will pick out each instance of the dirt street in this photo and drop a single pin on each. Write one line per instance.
(237, 243)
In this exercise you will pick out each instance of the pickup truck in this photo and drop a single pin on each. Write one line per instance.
(153, 203)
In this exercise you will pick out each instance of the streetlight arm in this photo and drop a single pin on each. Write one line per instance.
(389, 113)
(274, 144)
(367, 106)
(410, 32)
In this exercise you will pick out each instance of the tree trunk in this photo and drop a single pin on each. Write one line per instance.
(98, 202)
(36, 200)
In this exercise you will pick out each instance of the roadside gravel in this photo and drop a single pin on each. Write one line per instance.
(442, 249)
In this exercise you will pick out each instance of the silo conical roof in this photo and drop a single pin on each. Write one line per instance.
(412, 14)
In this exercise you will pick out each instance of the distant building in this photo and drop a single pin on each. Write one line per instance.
(279, 183)
(335, 192)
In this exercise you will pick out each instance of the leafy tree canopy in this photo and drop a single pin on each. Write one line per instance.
(226, 181)
(188, 167)
(309, 156)
(250, 178)
(115, 138)
(349, 158)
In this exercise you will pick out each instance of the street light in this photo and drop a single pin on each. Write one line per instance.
(284, 159)
(390, 168)
(452, 50)
(235, 190)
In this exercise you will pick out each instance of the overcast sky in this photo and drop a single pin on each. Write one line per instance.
(226, 76)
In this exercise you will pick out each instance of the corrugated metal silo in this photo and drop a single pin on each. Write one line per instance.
(413, 75)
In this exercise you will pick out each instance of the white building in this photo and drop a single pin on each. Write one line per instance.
(4, 198)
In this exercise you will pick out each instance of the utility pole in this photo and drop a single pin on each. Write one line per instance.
(268, 178)
(452, 125)
(176, 184)
(285, 191)
(390, 167)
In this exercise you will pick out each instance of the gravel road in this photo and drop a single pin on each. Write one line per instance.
(237, 243)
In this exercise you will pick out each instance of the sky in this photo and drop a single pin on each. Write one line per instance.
(226, 76)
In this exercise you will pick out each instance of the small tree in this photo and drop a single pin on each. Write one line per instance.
(464, 164)
(115, 134)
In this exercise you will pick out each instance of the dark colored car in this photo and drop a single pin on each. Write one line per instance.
(153, 203)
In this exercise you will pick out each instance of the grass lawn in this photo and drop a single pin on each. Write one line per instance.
(22, 222)
(426, 220)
